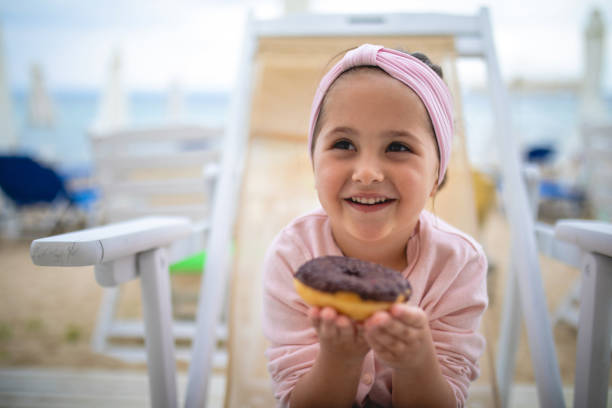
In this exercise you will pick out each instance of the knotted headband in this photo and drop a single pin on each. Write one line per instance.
(411, 71)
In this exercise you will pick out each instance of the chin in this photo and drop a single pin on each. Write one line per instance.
(370, 234)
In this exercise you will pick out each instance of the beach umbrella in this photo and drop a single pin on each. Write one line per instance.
(592, 105)
(112, 111)
(8, 133)
(596, 121)
(41, 113)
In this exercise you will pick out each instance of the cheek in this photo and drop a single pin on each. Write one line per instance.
(328, 178)
(322, 180)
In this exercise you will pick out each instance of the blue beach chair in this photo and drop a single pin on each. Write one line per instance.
(26, 183)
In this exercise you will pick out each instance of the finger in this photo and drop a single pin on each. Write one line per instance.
(314, 311)
(376, 320)
(389, 341)
(378, 343)
(314, 315)
(328, 314)
(384, 323)
(359, 330)
(372, 329)
(373, 335)
(328, 327)
(345, 328)
(360, 335)
(410, 315)
(396, 328)
(390, 346)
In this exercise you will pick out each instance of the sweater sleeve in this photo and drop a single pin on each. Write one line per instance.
(293, 344)
(454, 322)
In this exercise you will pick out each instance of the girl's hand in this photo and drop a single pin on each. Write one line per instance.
(401, 337)
(339, 335)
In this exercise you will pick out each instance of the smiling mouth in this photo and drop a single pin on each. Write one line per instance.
(371, 201)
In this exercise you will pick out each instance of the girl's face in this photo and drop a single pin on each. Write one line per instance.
(375, 158)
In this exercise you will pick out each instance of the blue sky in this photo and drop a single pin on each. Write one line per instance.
(164, 41)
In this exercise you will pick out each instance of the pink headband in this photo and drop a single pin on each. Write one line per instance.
(411, 71)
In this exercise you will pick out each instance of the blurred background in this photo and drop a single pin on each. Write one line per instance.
(180, 60)
(70, 70)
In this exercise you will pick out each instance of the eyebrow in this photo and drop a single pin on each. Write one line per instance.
(343, 129)
(401, 133)
(387, 134)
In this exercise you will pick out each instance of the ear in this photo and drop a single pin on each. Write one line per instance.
(434, 189)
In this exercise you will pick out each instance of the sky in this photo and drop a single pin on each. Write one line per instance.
(197, 44)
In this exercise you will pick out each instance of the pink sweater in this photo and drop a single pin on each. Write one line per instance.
(447, 271)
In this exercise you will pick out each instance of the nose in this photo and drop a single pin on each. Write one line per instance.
(367, 171)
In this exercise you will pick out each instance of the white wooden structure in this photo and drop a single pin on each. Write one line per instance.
(597, 156)
(597, 171)
(595, 149)
(122, 252)
(586, 245)
(473, 38)
(165, 170)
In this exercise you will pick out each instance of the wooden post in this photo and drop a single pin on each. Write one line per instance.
(159, 340)
(594, 332)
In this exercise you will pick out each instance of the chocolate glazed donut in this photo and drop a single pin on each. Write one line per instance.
(353, 287)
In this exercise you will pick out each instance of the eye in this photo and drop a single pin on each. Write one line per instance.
(398, 147)
(343, 145)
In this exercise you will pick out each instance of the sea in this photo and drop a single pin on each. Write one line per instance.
(66, 142)
(539, 118)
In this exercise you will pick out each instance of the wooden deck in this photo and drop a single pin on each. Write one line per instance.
(71, 388)
(68, 388)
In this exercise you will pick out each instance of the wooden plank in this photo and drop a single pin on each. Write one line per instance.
(288, 70)
(152, 187)
(181, 329)
(110, 242)
(330, 25)
(120, 161)
(158, 133)
(138, 355)
(589, 235)
(123, 213)
(268, 204)
(72, 388)
(107, 176)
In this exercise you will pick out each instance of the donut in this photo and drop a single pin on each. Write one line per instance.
(351, 286)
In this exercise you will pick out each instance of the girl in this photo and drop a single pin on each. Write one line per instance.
(380, 139)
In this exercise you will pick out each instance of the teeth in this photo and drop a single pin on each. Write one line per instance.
(370, 201)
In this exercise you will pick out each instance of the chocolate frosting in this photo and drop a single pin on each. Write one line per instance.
(369, 280)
